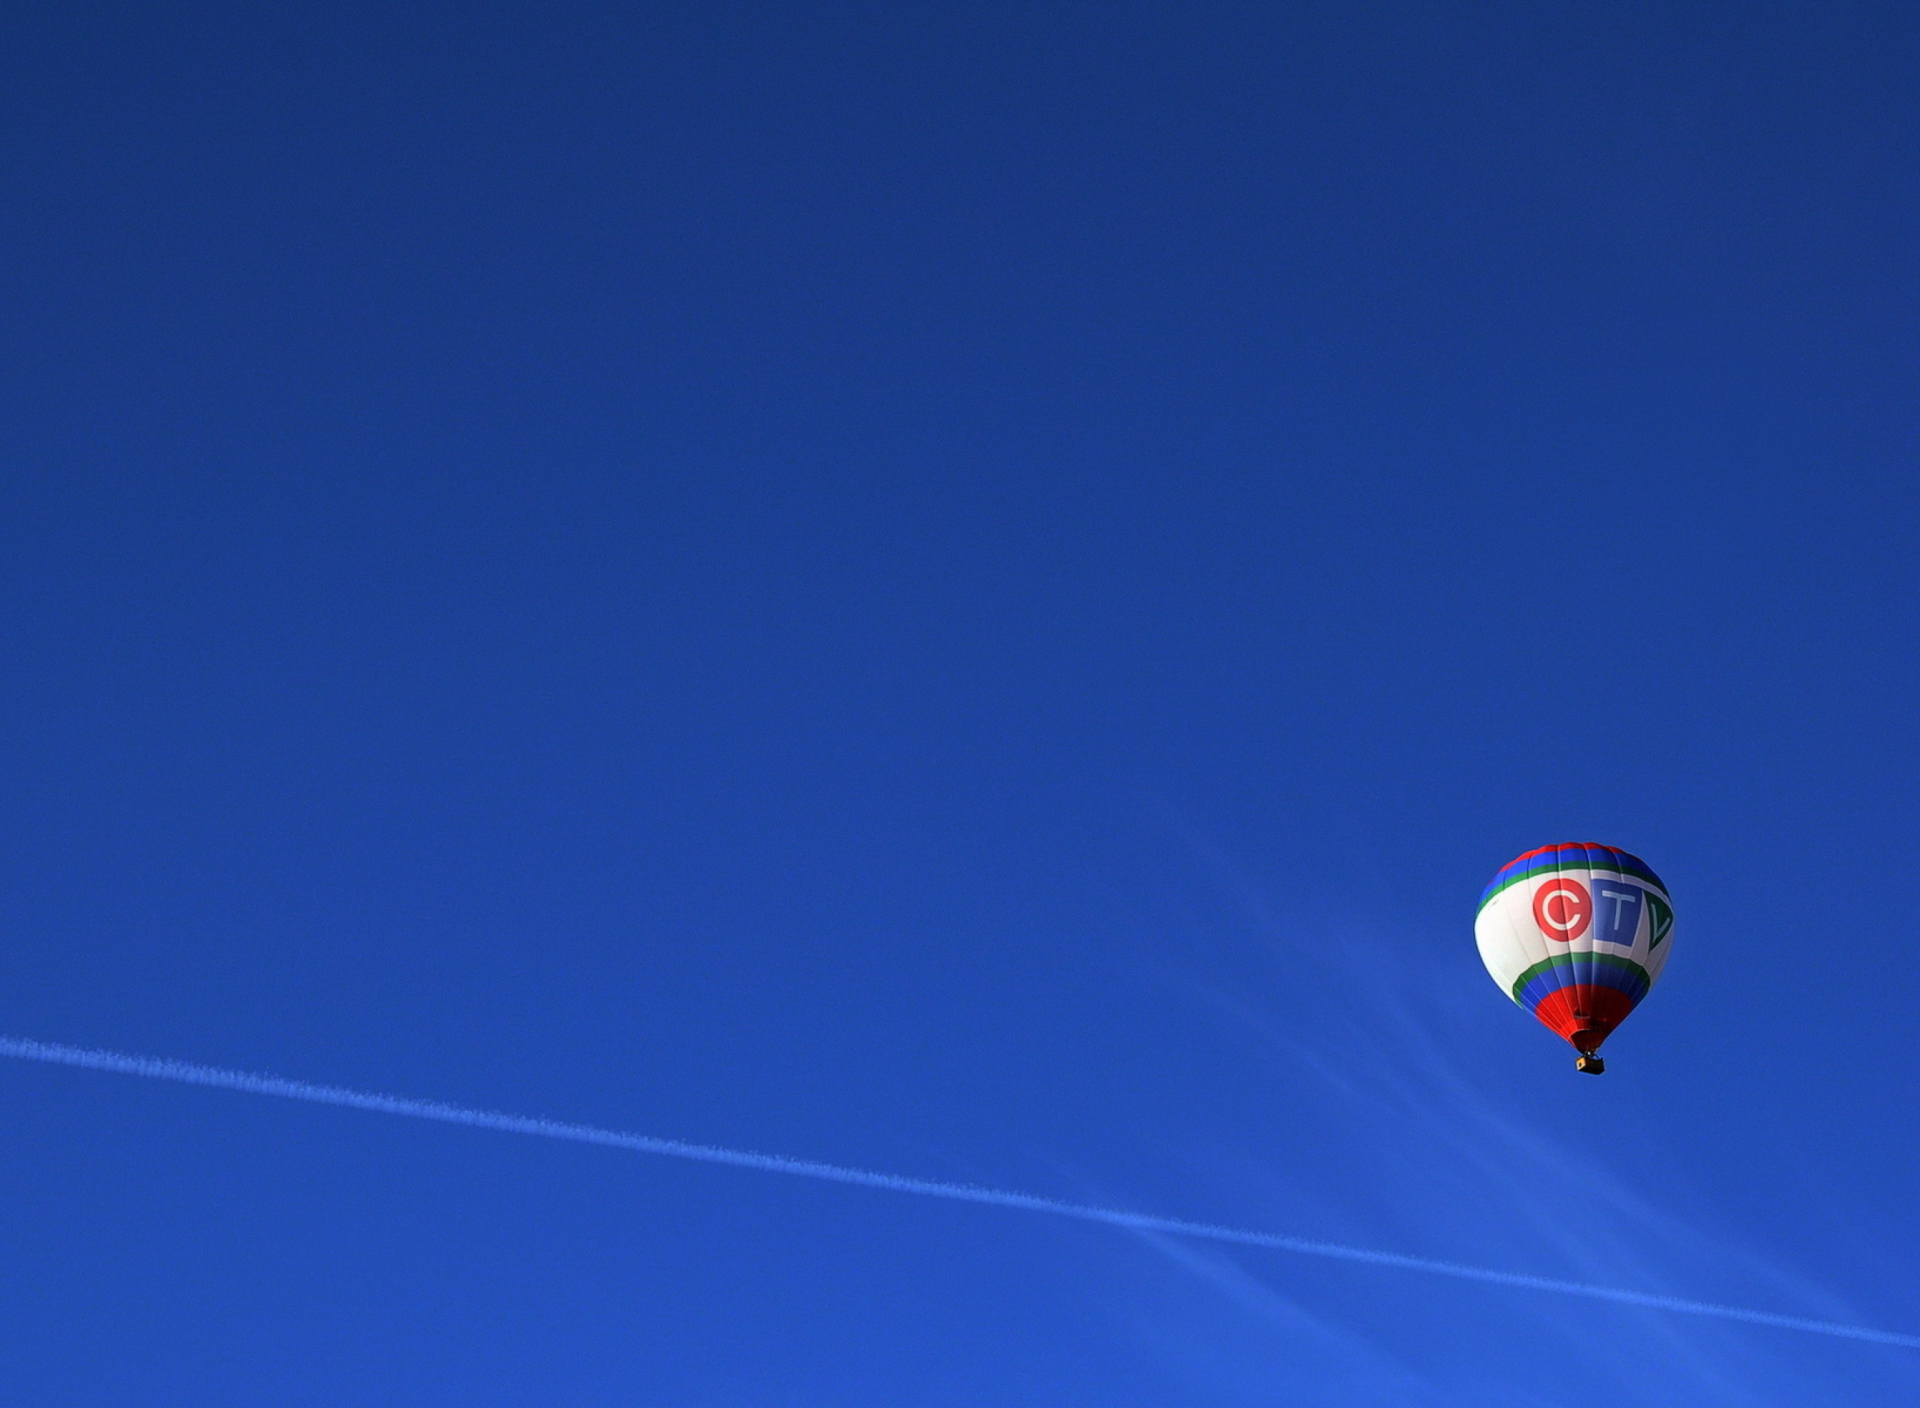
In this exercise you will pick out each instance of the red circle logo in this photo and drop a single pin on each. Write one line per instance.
(1562, 909)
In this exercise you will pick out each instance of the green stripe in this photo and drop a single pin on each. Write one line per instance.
(1624, 874)
(1562, 960)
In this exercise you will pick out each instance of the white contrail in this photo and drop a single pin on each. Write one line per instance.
(186, 1073)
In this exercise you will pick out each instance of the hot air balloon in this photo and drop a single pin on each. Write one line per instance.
(1577, 935)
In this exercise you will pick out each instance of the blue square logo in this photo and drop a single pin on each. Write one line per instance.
(1616, 911)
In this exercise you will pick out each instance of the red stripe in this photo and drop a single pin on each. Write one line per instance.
(1585, 1014)
(1562, 846)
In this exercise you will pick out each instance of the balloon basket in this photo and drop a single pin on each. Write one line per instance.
(1590, 1064)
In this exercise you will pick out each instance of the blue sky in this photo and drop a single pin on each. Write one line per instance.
(972, 592)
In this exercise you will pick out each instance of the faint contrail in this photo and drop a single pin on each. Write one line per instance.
(186, 1073)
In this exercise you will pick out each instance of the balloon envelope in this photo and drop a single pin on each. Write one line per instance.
(1576, 934)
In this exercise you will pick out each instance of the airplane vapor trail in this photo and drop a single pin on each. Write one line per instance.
(187, 1073)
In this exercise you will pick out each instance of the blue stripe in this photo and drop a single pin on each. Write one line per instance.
(1583, 971)
(1579, 854)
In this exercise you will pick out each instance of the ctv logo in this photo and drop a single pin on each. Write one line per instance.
(1565, 909)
